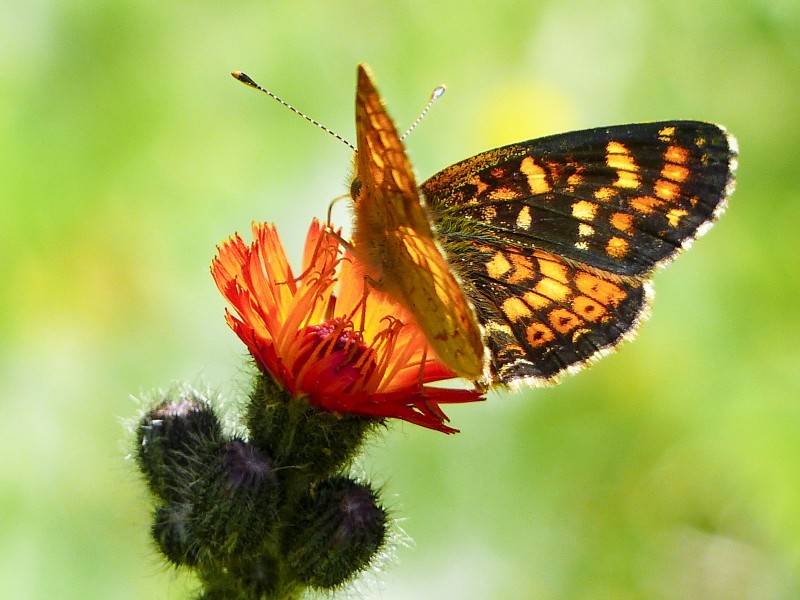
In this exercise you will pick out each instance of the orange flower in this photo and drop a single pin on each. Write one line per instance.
(326, 336)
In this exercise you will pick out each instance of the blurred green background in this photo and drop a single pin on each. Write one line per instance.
(670, 470)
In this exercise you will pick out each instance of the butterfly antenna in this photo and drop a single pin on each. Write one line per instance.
(435, 95)
(245, 79)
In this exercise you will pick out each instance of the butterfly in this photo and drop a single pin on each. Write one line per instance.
(541, 252)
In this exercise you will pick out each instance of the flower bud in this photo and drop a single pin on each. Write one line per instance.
(242, 504)
(247, 471)
(339, 528)
(172, 533)
(172, 435)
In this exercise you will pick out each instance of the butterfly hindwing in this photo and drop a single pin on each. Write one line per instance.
(544, 316)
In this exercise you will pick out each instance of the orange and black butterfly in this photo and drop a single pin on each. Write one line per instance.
(552, 241)
(542, 251)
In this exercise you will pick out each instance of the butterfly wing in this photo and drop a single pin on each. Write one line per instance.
(393, 237)
(528, 226)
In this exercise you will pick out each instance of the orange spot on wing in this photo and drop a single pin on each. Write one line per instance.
(675, 172)
(536, 301)
(524, 218)
(563, 320)
(619, 158)
(605, 193)
(622, 221)
(675, 215)
(555, 291)
(523, 269)
(498, 266)
(666, 132)
(536, 175)
(667, 190)
(479, 184)
(588, 309)
(575, 179)
(515, 309)
(489, 213)
(602, 290)
(617, 247)
(646, 205)
(584, 210)
(551, 268)
(539, 334)
(503, 193)
(676, 154)
(626, 179)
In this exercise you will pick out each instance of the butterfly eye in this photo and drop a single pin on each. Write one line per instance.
(355, 188)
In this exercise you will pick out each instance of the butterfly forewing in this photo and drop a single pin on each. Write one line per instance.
(555, 239)
(393, 237)
(623, 199)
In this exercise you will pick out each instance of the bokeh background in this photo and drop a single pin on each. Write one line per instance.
(670, 470)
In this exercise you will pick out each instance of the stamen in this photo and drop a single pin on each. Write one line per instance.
(386, 344)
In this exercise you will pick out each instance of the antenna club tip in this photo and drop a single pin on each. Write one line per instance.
(240, 76)
(438, 92)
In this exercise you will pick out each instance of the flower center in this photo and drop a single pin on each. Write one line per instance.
(332, 357)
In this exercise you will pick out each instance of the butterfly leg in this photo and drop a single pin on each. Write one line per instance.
(330, 207)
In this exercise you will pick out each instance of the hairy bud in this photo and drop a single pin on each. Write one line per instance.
(172, 533)
(172, 435)
(340, 527)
